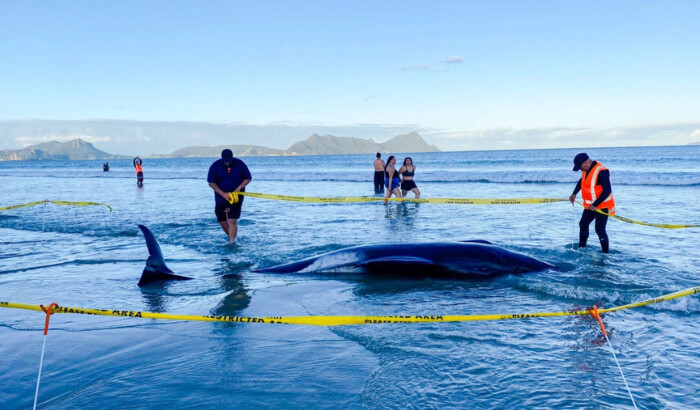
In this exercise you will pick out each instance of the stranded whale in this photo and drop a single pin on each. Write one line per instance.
(155, 269)
(463, 259)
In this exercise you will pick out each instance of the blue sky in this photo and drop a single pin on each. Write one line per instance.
(452, 70)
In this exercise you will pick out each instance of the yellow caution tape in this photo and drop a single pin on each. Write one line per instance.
(47, 201)
(632, 221)
(233, 197)
(345, 320)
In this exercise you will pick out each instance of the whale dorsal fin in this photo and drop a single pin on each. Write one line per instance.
(477, 241)
(155, 259)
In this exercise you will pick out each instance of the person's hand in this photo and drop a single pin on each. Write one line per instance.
(572, 198)
(592, 208)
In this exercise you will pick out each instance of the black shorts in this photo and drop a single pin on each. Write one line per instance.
(408, 185)
(233, 210)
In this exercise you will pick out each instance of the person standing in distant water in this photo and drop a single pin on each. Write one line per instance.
(228, 175)
(391, 178)
(379, 166)
(139, 171)
(597, 195)
(105, 167)
(407, 184)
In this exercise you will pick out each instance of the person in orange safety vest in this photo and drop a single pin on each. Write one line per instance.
(596, 194)
(139, 171)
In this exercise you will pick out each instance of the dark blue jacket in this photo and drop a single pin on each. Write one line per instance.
(227, 178)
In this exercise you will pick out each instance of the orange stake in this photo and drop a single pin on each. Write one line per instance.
(49, 311)
(596, 316)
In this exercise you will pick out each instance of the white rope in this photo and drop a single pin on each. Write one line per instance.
(573, 227)
(43, 220)
(38, 379)
(623, 375)
(104, 219)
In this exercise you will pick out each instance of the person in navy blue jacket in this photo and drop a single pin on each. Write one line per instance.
(228, 175)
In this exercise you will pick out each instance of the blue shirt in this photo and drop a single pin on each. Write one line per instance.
(227, 178)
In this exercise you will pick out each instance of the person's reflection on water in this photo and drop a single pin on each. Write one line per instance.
(237, 298)
(403, 210)
(409, 210)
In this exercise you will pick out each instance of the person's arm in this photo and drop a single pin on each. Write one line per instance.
(603, 181)
(242, 185)
(212, 180)
(247, 177)
(572, 198)
(390, 172)
(218, 190)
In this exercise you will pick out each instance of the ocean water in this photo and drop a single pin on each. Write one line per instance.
(88, 257)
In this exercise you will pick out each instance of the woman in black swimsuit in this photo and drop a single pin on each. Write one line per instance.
(407, 184)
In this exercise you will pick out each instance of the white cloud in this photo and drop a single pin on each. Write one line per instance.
(453, 60)
(417, 67)
(125, 137)
(563, 137)
(25, 141)
(147, 137)
(429, 67)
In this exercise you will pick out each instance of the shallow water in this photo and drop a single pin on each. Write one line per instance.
(89, 257)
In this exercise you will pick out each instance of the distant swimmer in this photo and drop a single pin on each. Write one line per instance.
(596, 194)
(139, 171)
(379, 174)
(408, 170)
(226, 175)
(105, 167)
(392, 180)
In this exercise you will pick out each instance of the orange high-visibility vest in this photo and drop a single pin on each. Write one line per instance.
(590, 190)
(138, 168)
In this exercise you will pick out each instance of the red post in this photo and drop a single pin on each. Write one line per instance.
(49, 311)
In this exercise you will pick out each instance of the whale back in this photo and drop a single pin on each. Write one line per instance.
(467, 258)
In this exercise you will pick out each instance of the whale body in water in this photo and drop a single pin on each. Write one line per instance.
(462, 259)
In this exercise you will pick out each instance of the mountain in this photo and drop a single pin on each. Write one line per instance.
(78, 149)
(411, 142)
(54, 150)
(330, 145)
(213, 152)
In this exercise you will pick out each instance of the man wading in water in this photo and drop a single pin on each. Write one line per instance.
(596, 194)
(379, 174)
(228, 174)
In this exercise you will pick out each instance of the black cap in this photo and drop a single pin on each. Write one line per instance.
(579, 159)
(227, 155)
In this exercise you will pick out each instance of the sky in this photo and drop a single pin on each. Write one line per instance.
(464, 74)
